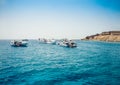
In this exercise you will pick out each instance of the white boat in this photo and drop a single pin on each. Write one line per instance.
(51, 41)
(67, 43)
(19, 43)
(47, 41)
(42, 40)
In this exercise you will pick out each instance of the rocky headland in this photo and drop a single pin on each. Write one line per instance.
(110, 36)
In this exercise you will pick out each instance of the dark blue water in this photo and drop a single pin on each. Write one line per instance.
(91, 63)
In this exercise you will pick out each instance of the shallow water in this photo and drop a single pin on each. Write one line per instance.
(91, 63)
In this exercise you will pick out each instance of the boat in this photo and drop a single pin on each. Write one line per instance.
(19, 43)
(47, 41)
(67, 43)
(52, 41)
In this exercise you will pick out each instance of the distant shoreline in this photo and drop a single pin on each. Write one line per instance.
(110, 36)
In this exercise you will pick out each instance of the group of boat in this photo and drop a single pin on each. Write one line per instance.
(62, 42)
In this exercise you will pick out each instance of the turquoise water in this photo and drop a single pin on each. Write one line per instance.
(91, 63)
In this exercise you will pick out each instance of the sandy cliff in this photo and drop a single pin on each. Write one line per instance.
(112, 36)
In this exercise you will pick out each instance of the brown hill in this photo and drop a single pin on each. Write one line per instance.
(112, 36)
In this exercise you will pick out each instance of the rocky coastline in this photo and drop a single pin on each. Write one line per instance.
(110, 36)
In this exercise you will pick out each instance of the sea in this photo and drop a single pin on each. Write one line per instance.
(90, 63)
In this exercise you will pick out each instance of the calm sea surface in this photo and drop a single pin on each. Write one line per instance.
(91, 63)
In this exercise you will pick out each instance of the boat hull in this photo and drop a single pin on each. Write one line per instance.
(19, 43)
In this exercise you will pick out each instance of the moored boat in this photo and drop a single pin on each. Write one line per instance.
(67, 43)
(19, 43)
(47, 41)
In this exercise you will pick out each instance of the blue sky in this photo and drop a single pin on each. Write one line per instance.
(57, 18)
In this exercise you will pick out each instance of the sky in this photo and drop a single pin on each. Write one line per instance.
(73, 19)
